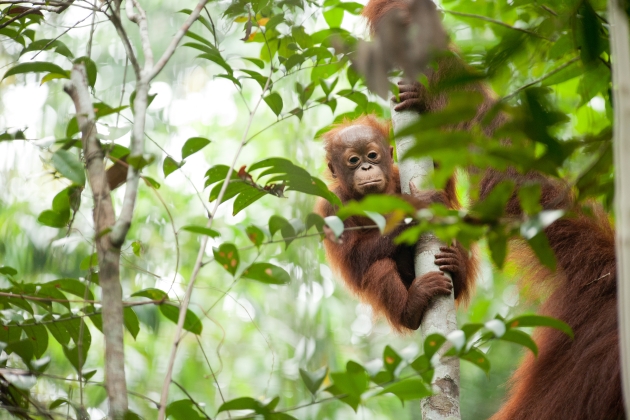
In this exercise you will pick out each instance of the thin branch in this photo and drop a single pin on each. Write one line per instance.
(192, 400)
(115, 19)
(544, 77)
(202, 250)
(170, 50)
(496, 22)
(140, 19)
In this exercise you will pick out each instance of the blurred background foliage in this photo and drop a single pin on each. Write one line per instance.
(257, 336)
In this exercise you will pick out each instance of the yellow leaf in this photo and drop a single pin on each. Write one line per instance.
(241, 19)
(263, 21)
(393, 220)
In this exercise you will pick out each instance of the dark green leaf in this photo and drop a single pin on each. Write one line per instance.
(529, 197)
(183, 410)
(193, 145)
(539, 321)
(314, 380)
(493, 206)
(73, 286)
(48, 44)
(201, 230)
(153, 294)
(35, 67)
(267, 273)
(408, 389)
(131, 321)
(169, 166)
(432, 344)
(540, 244)
(391, 359)
(38, 336)
(279, 223)
(478, 358)
(9, 271)
(227, 256)
(519, 337)
(191, 322)
(89, 262)
(255, 234)
(244, 403)
(90, 68)
(275, 102)
(314, 219)
(247, 197)
(422, 365)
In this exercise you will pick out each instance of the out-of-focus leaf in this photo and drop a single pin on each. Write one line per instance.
(69, 165)
(492, 207)
(73, 286)
(191, 322)
(35, 67)
(313, 380)
(243, 403)
(183, 410)
(391, 359)
(274, 100)
(227, 256)
(335, 224)
(255, 234)
(193, 145)
(267, 273)
(131, 321)
(540, 321)
(279, 223)
(90, 68)
(408, 389)
(151, 293)
(432, 344)
(519, 337)
(169, 166)
(478, 358)
(377, 203)
(201, 230)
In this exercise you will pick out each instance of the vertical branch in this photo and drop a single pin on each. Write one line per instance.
(108, 254)
(620, 46)
(440, 317)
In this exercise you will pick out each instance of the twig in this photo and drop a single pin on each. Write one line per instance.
(192, 400)
(496, 22)
(546, 76)
(201, 253)
(140, 19)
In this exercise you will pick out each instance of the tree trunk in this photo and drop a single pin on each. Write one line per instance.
(108, 255)
(440, 317)
(620, 48)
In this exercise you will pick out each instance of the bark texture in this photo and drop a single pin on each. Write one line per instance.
(441, 315)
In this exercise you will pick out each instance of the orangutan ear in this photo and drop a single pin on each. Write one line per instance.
(332, 169)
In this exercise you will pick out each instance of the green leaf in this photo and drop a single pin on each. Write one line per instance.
(275, 102)
(519, 337)
(8, 271)
(73, 286)
(48, 44)
(335, 224)
(377, 203)
(334, 17)
(227, 256)
(529, 197)
(247, 197)
(313, 380)
(391, 359)
(151, 293)
(89, 262)
(540, 244)
(408, 389)
(90, 68)
(267, 273)
(53, 219)
(35, 67)
(540, 321)
(258, 62)
(57, 329)
(497, 242)
(493, 206)
(243, 403)
(255, 234)
(478, 358)
(183, 410)
(137, 248)
(131, 321)
(38, 336)
(69, 165)
(432, 344)
(193, 145)
(218, 173)
(423, 366)
(378, 219)
(279, 223)
(191, 322)
(169, 166)
(202, 230)
(314, 219)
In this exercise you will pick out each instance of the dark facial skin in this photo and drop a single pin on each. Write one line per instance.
(362, 160)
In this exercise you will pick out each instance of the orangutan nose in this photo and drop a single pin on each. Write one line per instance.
(366, 166)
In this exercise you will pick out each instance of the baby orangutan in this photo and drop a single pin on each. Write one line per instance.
(379, 271)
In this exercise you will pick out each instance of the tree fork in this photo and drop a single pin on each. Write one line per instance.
(440, 317)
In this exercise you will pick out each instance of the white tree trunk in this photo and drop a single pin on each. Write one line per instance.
(620, 46)
(440, 317)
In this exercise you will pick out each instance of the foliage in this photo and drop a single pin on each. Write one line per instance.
(265, 303)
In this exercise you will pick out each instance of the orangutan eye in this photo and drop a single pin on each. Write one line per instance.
(354, 160)
(372, 155)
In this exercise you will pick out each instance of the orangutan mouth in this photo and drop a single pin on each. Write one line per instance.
(372, 181)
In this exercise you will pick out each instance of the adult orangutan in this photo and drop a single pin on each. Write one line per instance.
(380, 272)
(570, 379)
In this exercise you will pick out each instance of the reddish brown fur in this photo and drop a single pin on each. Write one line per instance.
(577, 379)
(572, 379)
(376, 269)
